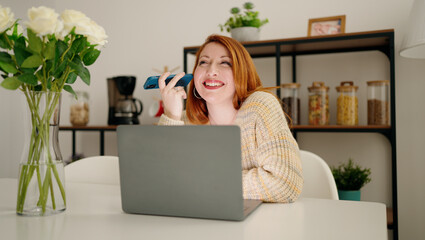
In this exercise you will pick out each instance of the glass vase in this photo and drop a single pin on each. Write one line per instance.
(41, 186)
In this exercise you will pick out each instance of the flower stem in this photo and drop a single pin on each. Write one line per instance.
(52, 196)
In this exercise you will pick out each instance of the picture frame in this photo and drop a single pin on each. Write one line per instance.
(326, 26)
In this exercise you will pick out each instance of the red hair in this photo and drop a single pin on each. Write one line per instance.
(245, 77)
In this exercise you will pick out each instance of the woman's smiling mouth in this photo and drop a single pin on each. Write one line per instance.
(213, 84)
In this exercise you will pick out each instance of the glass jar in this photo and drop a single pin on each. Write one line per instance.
(318, 104)
(347, 104)
(291, 102)
(79, 114)
(378, 108)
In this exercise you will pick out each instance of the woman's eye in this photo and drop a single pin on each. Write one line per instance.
(202, 62)
(226, 63)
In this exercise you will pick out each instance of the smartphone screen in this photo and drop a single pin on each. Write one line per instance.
(152, 82)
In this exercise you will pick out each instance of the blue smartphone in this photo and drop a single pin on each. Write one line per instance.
(152, 82)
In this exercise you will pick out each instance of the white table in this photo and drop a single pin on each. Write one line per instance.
(94, 212)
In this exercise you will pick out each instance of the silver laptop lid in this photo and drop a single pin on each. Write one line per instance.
(188, 171)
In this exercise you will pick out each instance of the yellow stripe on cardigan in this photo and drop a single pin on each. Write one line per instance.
(263, 107)
(266, 190)
(278, 174)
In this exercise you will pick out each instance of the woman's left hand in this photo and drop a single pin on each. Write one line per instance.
(172, 96)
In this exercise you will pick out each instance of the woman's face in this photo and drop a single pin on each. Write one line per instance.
(214, 75)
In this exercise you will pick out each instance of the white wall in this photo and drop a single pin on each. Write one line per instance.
(150, 34)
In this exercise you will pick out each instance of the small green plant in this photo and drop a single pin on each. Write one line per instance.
(238, 19)
(350, 177)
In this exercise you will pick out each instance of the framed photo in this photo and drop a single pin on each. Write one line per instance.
(326, 26)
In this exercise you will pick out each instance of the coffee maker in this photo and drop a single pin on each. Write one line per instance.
(123, 108)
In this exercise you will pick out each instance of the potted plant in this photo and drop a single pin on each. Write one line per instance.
(244, 26)
(350, 178)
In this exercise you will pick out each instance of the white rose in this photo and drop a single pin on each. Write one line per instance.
(83, 26)
(73, 18)
(6, 18)
(97, 35)
(43, 21)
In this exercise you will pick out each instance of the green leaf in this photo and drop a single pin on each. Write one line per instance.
(20, 51)
(48, 66)
(91, 56)
(255, 23)
(57, 73)
(77, 60)
(3, 41)
(11, 83)
(234, 10)
(71, 78)
(20, 42)
(60, 49)
(248, 5)
(5, 57)
(80, 70)
(21, 54)
(69, 89)
(49, 51)
(9, 68)
(33, 61)
(34, 42)
(28, 78)
(78, 45)
(28, 70)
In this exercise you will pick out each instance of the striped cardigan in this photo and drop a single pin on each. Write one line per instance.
(271, 165)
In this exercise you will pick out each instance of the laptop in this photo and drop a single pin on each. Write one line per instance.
(183, 171)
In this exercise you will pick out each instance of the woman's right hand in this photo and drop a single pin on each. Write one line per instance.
(172, 97)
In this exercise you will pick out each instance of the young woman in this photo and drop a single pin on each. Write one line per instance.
(226, 90)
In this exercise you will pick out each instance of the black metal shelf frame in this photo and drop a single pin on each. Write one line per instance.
(384, 43)
(101, 131)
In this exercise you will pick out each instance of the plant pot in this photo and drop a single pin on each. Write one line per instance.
(41, 188)
(244, 34)
(349, 195)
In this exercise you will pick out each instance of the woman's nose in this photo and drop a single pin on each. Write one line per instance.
(212, 70)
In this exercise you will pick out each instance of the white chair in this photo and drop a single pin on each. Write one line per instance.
(318, 179)
(98, 169)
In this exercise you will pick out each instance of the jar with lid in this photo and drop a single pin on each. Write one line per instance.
(347, 104)
(378, 108)
(318, 104)
(79, 114)
(291, 102)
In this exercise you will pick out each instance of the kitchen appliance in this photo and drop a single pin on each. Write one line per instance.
(123, 107)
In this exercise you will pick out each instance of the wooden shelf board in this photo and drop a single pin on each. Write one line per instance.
(356, 41)
(342, 127)
(89, 128)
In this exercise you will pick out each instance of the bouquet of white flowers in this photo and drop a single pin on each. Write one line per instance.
(55, 51)
(49, 59)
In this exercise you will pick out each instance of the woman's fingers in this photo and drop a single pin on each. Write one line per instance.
(174, 81)
(180, 91)
(172, 96)
(161, 80)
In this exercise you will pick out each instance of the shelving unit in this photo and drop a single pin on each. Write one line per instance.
(100, 129)
(382, 40)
